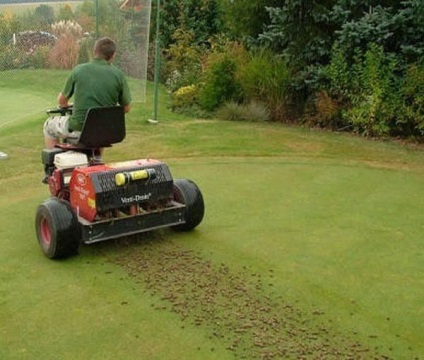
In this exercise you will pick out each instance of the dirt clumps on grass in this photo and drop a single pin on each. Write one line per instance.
(235, 307)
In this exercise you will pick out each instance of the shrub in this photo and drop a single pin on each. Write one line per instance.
(220, 83)
(233, 111)
(371, 113)
(40, 57)
(325, 112)
(266, 78)
(184, 97)
(256, 111)
(12, 57)
(230, 111)
(67, 28)
(366, 86)
(85, 50)
(7, 57)
(413, 92)
(66, 51)
(183, 61)
(339, 74)
(184, 101)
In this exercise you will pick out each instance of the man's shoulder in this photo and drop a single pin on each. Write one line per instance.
(102, 65)
(84, 69)
(80, 67)
(116, 69)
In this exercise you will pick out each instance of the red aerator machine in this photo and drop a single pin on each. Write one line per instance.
(92, 201)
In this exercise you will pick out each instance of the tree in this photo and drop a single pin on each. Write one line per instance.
(8, 25)
(199, 16)
(45, 14)
(66, 13)
(408, 23)
(110, 20)
(301, 30)
(246, 19)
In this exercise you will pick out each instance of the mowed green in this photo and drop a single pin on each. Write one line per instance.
(20, 106)
(332, 224)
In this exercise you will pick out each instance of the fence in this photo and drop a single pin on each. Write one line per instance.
(61, 34)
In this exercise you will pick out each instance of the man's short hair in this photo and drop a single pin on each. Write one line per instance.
(104, 48)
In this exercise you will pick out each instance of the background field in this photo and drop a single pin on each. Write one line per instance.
(317, 235)
(24, 7)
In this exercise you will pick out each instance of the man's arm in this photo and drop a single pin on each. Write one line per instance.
(125, 96)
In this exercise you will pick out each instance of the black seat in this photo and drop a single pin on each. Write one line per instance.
(102, 127)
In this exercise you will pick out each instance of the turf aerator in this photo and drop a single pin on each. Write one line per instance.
(92, 201)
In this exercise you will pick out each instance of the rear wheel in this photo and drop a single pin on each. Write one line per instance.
(186, 192)
(57, 227)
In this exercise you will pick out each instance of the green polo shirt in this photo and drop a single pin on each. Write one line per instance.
(95, 84)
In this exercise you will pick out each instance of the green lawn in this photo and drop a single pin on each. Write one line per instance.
(311, 246)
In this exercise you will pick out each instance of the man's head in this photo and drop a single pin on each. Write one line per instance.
(104, 48)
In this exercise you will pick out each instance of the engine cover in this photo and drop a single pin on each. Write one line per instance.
(95, 189)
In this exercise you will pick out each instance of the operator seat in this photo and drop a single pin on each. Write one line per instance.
(103, 126)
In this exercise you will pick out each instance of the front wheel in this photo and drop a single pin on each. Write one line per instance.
(57, 227)
(186, 192)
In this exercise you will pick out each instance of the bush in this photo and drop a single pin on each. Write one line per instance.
(266, 78)
(66, 51)
(324, 112)
(184, 101)
(40, 57)
(184, 97)
(372, 112)
(12, 57)
(253, 111)
(183, 61)
(413, 92)
(220, 83)
(67, 28)
(85, 50)
(8, 55)
(366, 87)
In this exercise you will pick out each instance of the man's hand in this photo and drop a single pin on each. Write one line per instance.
(63, 101)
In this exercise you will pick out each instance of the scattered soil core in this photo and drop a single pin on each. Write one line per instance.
(237, 308)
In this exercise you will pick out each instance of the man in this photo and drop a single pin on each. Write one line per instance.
(94, 84)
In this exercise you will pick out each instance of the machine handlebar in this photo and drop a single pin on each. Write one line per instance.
(61, 111)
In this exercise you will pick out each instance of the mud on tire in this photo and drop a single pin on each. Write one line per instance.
(57, 228)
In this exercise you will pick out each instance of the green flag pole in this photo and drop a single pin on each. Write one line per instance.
(157, 67)
(96, 5)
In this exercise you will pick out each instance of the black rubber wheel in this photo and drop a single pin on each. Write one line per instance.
(57, 227)
(186, 192)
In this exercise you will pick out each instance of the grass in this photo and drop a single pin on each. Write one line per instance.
(323, 229)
